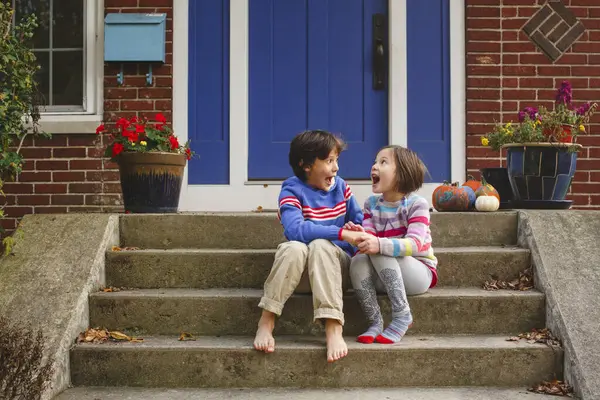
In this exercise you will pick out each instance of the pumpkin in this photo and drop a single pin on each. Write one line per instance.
(487, 203)
(472, 183)
(487, 190)
(451, 197)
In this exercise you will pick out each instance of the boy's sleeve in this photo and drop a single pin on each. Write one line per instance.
(294, 225)
(368, 218)
(414, 240)
(354, 213)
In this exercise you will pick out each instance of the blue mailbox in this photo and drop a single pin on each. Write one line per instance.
(135, 38)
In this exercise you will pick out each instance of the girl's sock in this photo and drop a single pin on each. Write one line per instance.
(396, 329)
(369, 336)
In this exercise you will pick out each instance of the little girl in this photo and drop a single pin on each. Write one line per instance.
(395, 254)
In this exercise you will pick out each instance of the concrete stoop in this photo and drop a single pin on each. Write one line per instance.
(202, 274)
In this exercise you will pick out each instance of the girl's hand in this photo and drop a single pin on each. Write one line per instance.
(351, 237)
(351, 226)
(368, 244)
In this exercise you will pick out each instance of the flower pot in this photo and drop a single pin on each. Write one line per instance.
(540, 174)
(566, 136)
(498, 178)
(151, 182)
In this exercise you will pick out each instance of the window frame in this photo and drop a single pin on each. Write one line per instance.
(85, 121)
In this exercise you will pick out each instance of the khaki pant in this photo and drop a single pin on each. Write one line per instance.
(327, 266)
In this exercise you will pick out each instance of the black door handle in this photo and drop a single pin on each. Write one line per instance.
(379, 52)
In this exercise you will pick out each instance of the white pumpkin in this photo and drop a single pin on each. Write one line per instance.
(487, 203)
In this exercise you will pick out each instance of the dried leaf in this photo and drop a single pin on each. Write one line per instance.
(121, 337)
(513, 339)
(544, 336)
(93, 335)
(555, 388)
(522, 283)
(186, 336)
(117, 248)
(110, 289)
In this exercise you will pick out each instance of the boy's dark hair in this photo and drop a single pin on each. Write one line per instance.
(410, 170)
(307, 146)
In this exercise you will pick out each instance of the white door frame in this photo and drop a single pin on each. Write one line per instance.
(244, 195)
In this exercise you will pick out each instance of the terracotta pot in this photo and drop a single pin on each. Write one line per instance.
(151, 182)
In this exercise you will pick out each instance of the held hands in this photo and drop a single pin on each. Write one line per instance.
(355, 235)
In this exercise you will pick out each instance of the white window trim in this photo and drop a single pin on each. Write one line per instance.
(85, 121)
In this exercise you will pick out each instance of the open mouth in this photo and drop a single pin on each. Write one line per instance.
(329, 181)
(375, 179)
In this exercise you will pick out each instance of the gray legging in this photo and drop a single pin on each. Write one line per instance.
(398, 277)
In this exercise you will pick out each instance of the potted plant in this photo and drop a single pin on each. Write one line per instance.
(151, 163)
(542, 151)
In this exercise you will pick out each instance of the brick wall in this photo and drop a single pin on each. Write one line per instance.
(67, 173)
(506, 72)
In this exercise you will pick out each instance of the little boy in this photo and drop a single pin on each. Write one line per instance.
(314, 205)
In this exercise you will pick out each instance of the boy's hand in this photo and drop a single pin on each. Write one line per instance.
(351, 237)
(351, 226)
(368, 244)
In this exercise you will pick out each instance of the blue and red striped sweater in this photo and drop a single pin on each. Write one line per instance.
(308, 213)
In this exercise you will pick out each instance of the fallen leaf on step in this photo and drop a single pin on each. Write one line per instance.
(259, 209)
(93, 335)
(110, 289)
(121, 337)
(186, 336)
(555, 387)
(544, 336)
(117, 248)
(513, 339)
(522, 283)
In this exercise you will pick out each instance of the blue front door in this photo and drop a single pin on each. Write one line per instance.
(311, 67)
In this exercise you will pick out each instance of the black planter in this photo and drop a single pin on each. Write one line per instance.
(498, 178)
(541, 173)
(151, 182)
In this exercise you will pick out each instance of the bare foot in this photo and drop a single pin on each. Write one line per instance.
(264, 340)
(336, 347)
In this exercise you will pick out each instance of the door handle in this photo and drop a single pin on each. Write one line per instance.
(379, 52)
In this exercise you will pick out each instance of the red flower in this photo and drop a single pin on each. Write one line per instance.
(133, 119)
(131, 136)
(100, 128)
(174, 142)
(160, 118)
(188, 154)
(123, 123)
(117, 149)
(139, 128)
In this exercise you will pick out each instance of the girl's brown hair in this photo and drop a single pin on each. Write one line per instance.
(410, 170)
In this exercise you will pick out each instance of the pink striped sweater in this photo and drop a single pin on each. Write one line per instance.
(402, 228)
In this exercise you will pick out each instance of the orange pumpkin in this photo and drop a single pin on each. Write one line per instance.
(487, 190)
(451, 197)
(472, 183)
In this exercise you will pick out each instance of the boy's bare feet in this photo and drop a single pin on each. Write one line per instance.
(264, 340)
(336, 346)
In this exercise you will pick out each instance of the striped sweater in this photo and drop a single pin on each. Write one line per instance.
(308, 213)
(402, 228)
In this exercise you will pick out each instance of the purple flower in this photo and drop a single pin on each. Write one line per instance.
(531, 112)
(564, 94)
(581, 110)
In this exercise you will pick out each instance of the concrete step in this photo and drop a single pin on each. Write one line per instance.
(218, 268)
(463, 393)
(235, 312)
(228, 362)
(263, 230)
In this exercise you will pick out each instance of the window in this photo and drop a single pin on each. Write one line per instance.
(66, 49)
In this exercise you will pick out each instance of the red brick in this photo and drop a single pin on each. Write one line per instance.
(83, 140)
(536, 59)
(591, 23)
(485, 94)
(50, 210)
(589, 47)
(485, 106)
(521, 70)
(510, 36)
(163, 105)
(483, 23)
(585, 71)
(86, 164)
(68, 176)
(85, 188)
(67, 199)
(535, 82)
(56, 140)
(579, 199)
(137, 105)
(483, 59)
(509, 12)
(31, 153)
(475, 12)
(470, 3)
(163, 82)
(50, 188)
(112, 188)
(588, 165)
(52, 164)
(155, 93)
(101, 200)
(483, 82)
(510, 106)
(34, 176)
(527, 11)
(17, 188)
(552, 70)
(8, 224)
(106, 176)
(34, 200)
(516, 94)
(120, 3)
(112, 105)
(513, 23)
(483, 47)
(155, 3)
(17, 211)
(510, 59)
(120, 93)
